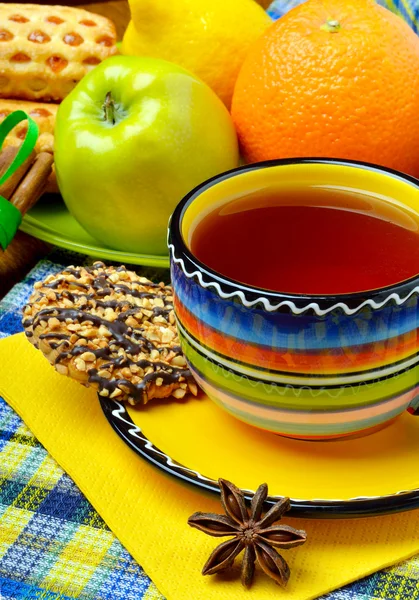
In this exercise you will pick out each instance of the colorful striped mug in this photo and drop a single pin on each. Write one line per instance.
(308, 367)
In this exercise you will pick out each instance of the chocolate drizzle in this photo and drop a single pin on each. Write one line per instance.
(132, 341)
(55, 336)
(136, 390)
(127, 348)
(55, 284)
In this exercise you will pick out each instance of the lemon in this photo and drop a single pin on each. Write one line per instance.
(208, 37)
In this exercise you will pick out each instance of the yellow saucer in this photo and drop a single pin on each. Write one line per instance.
(199, 442)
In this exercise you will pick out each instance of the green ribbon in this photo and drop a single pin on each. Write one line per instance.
(10, 216)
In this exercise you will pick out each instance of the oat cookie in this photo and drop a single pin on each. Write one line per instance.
(111, 329)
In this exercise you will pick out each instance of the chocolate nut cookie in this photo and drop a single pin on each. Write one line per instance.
(111, 329)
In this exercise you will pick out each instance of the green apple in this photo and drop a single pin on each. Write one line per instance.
(132, 138)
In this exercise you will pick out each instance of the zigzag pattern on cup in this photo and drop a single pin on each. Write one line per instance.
(271, 307)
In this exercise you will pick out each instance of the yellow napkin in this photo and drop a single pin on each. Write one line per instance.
(148, 510)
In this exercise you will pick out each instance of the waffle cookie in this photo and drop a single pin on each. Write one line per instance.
(110, 329)
(45, 50)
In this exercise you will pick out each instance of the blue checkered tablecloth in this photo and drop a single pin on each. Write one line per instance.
(54, 545)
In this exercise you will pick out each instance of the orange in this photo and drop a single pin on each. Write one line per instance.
(332, 78)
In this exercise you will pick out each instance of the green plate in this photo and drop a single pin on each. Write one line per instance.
(50, 221)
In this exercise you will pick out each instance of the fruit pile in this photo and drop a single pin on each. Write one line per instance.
(196, 81)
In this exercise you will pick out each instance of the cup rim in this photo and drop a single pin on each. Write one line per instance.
(178, 244)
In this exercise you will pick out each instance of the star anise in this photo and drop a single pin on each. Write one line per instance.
(256, 535)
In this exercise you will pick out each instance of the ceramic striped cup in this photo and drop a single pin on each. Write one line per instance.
(309, 367)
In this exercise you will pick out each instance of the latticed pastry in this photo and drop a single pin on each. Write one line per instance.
(43, 114)
(46, 50)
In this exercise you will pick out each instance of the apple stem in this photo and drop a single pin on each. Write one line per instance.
(109, 109)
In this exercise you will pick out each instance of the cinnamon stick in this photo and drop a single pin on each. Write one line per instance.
(10, 185)
(34, 183)
(6, 158)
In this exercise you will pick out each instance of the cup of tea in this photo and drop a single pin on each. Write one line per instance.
(296, 289)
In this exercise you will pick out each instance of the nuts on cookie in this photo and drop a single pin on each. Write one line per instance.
(111, 329)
